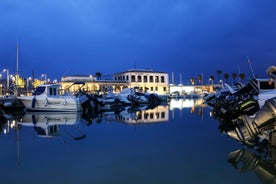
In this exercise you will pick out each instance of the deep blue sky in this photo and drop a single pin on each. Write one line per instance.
(70, 37)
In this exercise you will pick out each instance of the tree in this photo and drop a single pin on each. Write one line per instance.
(234, 76)
(98, 75)
(219, 72)
(192, 80)
(211, 79)
(242, 76)
(199, 78)
(226, 76)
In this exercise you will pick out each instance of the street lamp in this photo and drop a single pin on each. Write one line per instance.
(8, 79)
(221, 81)
(28, 80)
(45, 77)
(1, 85)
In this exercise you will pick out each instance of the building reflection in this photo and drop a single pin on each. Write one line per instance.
(185, 103)
(139, 115)
(194, 105)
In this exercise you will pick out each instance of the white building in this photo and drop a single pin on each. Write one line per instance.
(145, 79)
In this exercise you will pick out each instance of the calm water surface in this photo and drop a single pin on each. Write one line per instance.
(178, 143)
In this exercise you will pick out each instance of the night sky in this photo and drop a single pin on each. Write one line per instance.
(187, 37)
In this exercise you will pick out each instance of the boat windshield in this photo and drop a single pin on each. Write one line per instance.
(265, 85)
(39, 91)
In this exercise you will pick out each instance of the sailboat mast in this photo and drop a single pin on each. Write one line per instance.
(16, 77)
(17, 50)
(172, 78)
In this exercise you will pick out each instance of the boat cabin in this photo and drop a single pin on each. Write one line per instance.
(47, 90)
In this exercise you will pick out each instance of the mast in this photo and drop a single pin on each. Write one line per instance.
(17, 48)
(172, 78)
(251, 67)
(16, 78)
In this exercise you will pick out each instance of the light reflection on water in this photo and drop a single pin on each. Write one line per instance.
(175, 143)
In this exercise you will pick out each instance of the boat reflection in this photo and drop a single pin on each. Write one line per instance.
(261, 162)
(256, 131)
(50, 124)
(45, 124)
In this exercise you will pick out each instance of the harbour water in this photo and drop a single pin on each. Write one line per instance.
(178, 143)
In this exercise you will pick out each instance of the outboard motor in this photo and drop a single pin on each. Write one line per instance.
(249, 128)
(230, 105)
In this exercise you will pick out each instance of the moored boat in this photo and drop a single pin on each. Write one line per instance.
(47, 97)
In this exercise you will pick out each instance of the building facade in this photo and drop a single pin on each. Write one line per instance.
(91, 84)
(145, 79)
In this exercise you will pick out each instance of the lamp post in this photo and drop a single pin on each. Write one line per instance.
(45, 78)
(1, 85)
(28, 80)
(221, 81)
(8, 79)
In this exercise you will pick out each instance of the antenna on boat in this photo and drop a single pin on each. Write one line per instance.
(248, 60)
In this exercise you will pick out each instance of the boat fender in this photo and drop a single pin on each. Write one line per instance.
(65, 102)
(46, 102)
(33, 102)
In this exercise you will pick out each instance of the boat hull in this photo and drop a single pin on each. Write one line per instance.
(60, 103)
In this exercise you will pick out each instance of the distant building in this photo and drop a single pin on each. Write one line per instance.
(92, 84)
(145, 79)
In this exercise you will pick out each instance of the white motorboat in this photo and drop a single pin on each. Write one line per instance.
(132, 96)
(47, 97)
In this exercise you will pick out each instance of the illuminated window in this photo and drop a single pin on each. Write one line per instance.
(156, 79)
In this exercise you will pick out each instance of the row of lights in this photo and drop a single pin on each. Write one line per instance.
(12, 77)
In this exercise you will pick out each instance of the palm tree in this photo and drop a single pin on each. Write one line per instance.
(199, 78)
(219, 72)
(242, 76)
(98, 75)
(192, 80)
(234, 76)
(211, 79)
(226, 76)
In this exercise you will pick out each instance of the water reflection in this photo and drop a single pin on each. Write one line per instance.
(185, 103)
(255, 129)
(195, 106)
(138, 115)
(51, 124)
(261, 162)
